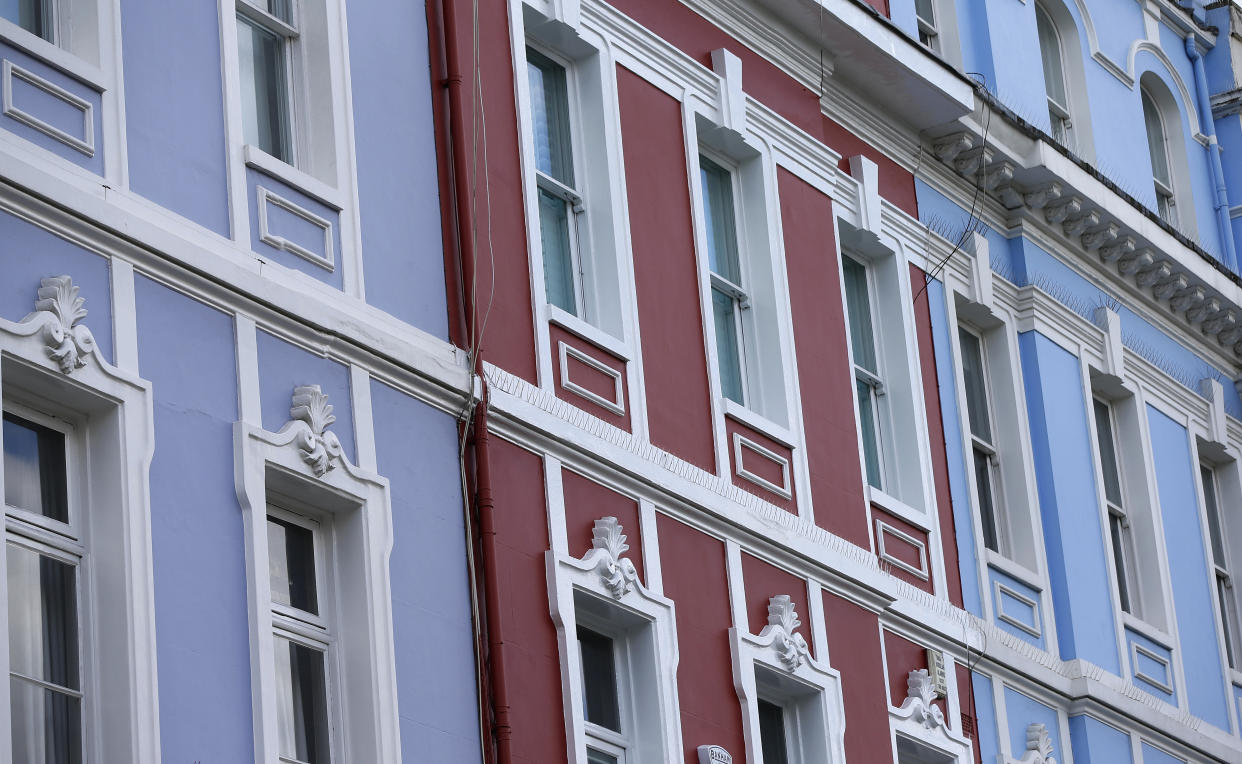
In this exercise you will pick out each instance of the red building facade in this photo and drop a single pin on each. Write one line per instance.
(683, 538)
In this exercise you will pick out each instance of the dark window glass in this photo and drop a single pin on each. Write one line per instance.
(599, 679)
(772, 733)
(549, 104)
(264, 84)
(1108, 452)
(291, 562)
(987, 504)
(720, 221)
(1116, 526)
(303, 709)
(34, 468)
(976, 389)
(44, 682)
(35, 16)
(1213, 517)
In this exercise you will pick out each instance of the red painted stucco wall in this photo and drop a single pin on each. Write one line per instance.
(824, 373)
(666, 278)
(854, 647)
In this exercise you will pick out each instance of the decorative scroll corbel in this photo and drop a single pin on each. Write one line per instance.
(1038, 746)
(319, 446)
(59, 308)
(790, 646)
(616, 573)
(919, 704)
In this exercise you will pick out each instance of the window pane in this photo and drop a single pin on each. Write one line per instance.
(926, 11)
(281, 9)
(302, 702)
(558, 266)
(599, 757)
(1050, 49)
(46, 724)
(1224, 594)
(870, 436)
(549, 105)
(976, 389)
(291, 564)
(724, 309)
(772, 733)
(35, 16)
(1108, 452)
(718, 213)
(987, 503)
(858, 306)
(265, 96)
(43, 618)
(1117, 531)
(34, 468)
(1215, 529)
(599, 680)
(1156, 141)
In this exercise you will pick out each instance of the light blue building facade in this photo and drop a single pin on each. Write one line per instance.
(1086, 220)
(234, 524)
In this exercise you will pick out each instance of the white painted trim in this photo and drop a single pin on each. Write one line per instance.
(1135, 650)
(653, 568)
(617, 404)
(364, 418)
(265, 163)
(741, 442)
(608, 577)
(881, 529)
(999, 590)
(264, 197)
(249, 404)
(124, 315)
(357, 501)
(85, 145)
(126, 726)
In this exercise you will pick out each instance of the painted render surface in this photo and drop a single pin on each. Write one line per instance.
(1073, 538)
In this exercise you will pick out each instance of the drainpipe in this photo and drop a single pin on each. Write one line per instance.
(462, 271)
(1218, 171)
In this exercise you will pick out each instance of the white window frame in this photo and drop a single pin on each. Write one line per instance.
(1014, 498)
(1062, 123)
(766, 340)
(1119, 512)
(928, 29)
(604, 585)
(294, 81)
(743, 321)
(884, 422)
(918, 720)
(808, 691)
(1225, 482)
(1175, 200)
(363, 708)
(598, 231)
(111, 414)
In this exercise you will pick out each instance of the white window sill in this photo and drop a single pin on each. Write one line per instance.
(293, 177)
(898, 508)
(52, 55)
(1139, 626)
(758, 423)
(1015, 570)
(589, 332)
(1235, 676)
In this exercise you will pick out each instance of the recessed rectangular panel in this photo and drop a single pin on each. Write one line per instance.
(590, 378)
(287, 226)
(761, 466)
(896, 547)
(1016, 607)
(45, 106)
(1151, 665)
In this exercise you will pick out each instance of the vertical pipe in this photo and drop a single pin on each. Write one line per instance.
(1218, 172)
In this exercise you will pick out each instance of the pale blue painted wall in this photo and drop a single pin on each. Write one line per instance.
(174, 107)
(283, 366)
(1188, 570)
(395, 147)
(1095, 742)
(186, 351)
(29, 254)
(1153, 755)
(985, 716)
(1073, 538)
(1022, 710)
(431, 603)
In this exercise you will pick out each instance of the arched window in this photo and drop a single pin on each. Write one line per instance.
(1054, 77)
(1161, 167)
